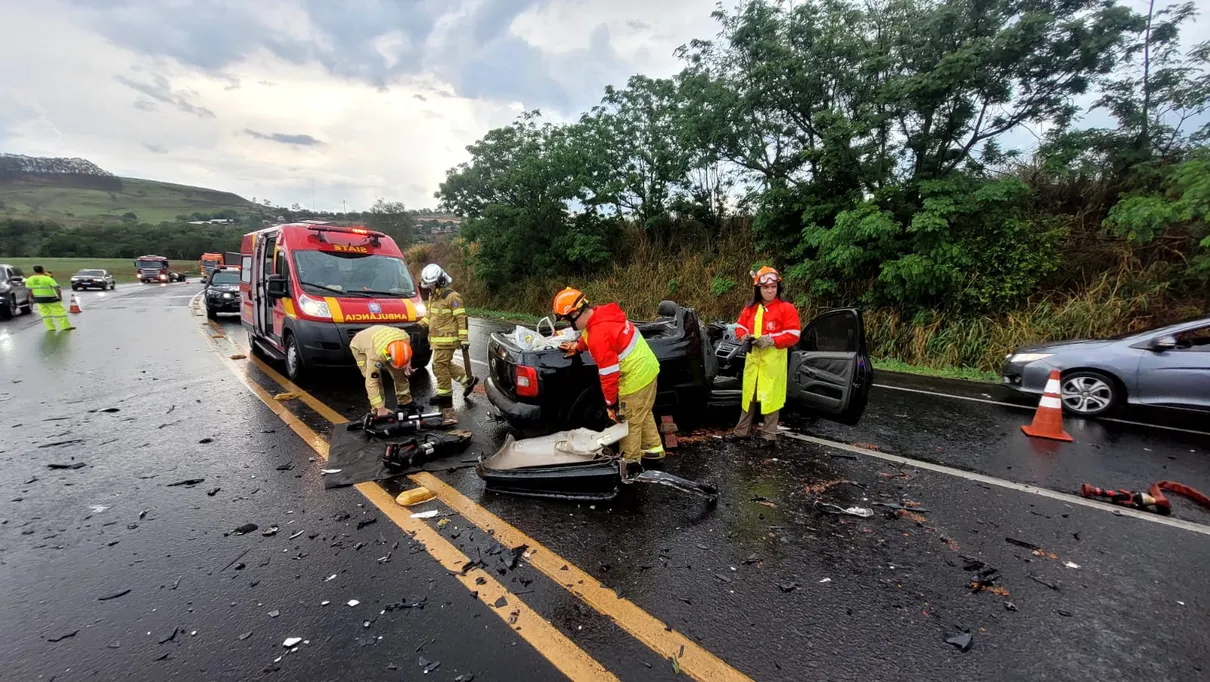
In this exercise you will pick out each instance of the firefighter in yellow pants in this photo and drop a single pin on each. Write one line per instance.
(379, 349)
(49, 298)
(448, 332)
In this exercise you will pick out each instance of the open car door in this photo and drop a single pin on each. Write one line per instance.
(830, 372)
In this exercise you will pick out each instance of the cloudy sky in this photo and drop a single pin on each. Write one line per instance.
(360, 98)
(356, 98)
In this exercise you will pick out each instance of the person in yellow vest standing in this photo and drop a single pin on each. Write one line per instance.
(379, 349)
(627, 367)
(448, 332)
(772, 324)
(49, 298)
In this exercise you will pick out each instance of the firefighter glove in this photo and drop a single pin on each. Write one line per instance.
(764, 342)
(568, 348)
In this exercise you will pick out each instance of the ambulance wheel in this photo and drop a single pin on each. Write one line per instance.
(421, 360)
(296, 367)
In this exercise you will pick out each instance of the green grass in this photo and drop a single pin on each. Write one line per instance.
(504, 316)
(68, 200)
(967, 373)
(122, 269)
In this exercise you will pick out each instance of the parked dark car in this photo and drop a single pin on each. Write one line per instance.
(222, 292)
(92, 279)
(700, 367)
(15, 297)
(1164, 367)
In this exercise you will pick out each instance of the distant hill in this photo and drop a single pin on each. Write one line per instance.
(72, 191)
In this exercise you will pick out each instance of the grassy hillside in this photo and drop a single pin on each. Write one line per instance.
(72, 199)
(121, 268)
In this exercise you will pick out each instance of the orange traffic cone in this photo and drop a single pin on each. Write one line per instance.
(1048, 420)
(75, 305)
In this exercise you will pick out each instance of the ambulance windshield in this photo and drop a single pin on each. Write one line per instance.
(322, 272)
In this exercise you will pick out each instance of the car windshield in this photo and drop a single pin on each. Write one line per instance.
(1158, 330)
(225, 277)
(322, 272)
(150, 264)
(90, 273)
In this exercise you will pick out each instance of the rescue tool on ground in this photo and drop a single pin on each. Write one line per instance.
(627, 368)
(448, 331)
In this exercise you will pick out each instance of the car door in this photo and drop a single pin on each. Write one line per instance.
(1178, 376)
(830, 374)
(17, 279)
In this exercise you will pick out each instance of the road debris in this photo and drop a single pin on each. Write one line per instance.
(428, 666)
(188, 482)
(205, 441)
(274, 613)
(144, 513)
(212, 493)
(425, 514)
(238, 356)
(325, 472)
(1071, 564)
(245, 529)
(114, 595)
(353, 602)
(270, 533)
(330, 578)
(1009, 606)
(73, 465)
(1043, 582)
(297, 534)
(788, 587)
(829, 508)
(826, 580)
(292, 642)
(171, 636)
(62, 442)
(244, 636)
(367, 522)
(1064, 613)
(961, 640)
(285, 396)
(413, 496)
(62, 637)
(97, 508)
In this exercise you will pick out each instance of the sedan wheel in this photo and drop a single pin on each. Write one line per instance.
(1088, 394)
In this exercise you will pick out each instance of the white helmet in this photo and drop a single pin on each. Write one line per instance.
(433, 275)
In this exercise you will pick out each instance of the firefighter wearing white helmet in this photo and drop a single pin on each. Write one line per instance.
(447, 325)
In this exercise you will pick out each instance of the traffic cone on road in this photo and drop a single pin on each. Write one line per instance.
(75, 305)
(1048, 420)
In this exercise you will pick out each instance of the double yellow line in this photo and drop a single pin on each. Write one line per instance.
(564, 654)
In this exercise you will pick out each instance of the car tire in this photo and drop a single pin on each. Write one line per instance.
(296, 366)
(1089, 393)
(9, 310)
(113, 285)
(421, 360)
(28, 307)
(210, 313)
(75, 288)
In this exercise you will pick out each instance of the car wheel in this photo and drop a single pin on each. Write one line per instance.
(113, 285)
(75, 288)
(295, 366)
(210, 313)
(9, 310)
(1088, 393)
(28, 307)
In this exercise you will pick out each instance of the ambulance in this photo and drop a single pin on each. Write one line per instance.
(308, 288)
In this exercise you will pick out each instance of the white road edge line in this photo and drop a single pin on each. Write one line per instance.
(1027, 407)
(1010, 485)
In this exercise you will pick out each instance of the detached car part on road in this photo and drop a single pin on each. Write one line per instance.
(92, 279)
(307, 289)
(701, 366)
(573, 465)
(15, 296)
(1163, 367)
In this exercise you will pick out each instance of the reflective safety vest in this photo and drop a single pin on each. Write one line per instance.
(765, 368)
(446, 319)
(624, 360)
(42, 288)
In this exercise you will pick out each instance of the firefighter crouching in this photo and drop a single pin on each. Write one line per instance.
(379, 349)
(627, 367)
(448, 332)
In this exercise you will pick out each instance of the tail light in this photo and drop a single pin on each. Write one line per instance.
(527, 382)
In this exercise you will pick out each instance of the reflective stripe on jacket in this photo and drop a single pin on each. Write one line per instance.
(624, 360)
(765, 368)
(42, 288)
(446, 319)
(369, 348)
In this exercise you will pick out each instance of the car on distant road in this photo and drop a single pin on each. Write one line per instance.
(1163, 367)
(222, 291)
(89, 279)
(15, 297)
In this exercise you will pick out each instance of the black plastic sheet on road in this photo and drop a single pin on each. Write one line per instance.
(359, 457)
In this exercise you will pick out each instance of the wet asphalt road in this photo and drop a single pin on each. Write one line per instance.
(761, 580)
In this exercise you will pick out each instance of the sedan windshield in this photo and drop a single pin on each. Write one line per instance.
(322, 272)
(225, 277)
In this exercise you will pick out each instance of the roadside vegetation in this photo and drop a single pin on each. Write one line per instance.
(974, 176)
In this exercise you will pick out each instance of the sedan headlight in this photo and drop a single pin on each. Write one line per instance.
(226, 295)
(313, 307)
(1029, 357)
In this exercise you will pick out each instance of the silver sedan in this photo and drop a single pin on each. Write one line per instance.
(1164, 367)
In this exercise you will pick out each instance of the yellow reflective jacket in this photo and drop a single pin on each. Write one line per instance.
(446, 320)
(369, 348)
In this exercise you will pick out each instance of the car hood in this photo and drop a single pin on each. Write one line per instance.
(224, 288)
(1059, 346)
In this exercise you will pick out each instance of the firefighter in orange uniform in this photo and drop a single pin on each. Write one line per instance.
(627, 368)
(774, 327)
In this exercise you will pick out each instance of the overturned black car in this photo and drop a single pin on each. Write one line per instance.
(701, 367)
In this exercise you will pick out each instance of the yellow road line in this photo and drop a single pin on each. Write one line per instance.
(552, 644)
(652, 632)
(307, 399)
